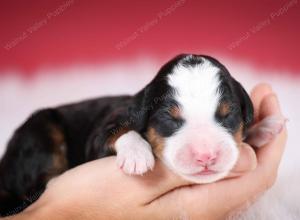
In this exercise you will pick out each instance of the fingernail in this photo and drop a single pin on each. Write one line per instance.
(267, 85)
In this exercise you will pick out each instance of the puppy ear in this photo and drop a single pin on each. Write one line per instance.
(140, 109)
(245, 103)
(155, 92)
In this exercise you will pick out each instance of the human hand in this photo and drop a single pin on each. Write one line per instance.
(218, 200)
(99, 190)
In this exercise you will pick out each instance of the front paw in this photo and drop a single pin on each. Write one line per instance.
(134, 154)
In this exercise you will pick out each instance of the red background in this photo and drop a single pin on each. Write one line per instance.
(89, 31)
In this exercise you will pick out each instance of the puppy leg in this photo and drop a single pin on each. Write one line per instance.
(134, 154)
(35, 154)
(265, 131)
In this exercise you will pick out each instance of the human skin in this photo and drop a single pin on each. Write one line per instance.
(99, 190)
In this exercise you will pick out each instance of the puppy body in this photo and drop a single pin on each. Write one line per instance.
(192, 115)
(52, 141)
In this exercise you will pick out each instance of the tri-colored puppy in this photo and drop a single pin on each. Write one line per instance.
(193, 115)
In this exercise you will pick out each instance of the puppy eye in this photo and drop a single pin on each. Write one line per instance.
(168, 119)
(165, 123)
(167, 115)
(231, 111)
(174, 111)
(230, 120)
(228, 115)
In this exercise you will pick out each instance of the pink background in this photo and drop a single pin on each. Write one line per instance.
(90, 31)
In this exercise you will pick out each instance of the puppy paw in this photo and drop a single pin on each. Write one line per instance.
(134, 154)
(265, 131)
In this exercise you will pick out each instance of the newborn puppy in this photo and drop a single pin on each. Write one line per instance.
(193, 116)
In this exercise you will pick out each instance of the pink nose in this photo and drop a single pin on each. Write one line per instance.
(206, 159)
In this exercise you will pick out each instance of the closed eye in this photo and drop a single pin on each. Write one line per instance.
(165, 123)
(226, 115)
(230, 121)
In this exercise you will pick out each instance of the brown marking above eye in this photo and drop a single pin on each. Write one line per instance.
(224, 109)
(175, 112)
(156, 141)
(238, 135)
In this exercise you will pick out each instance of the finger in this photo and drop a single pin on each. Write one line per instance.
(257, 95)
(269, 106)
(217, 198)
(247, 161)
(270, 155)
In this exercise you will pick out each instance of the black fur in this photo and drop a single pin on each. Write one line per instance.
(241, 107)
(80, 132)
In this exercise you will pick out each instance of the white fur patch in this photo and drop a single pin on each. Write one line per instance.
(196, 88)
(134, 154)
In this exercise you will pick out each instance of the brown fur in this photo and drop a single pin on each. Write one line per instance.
(57, 135)
(224, 109)
(175, 112)
(238, 135)
(156, 141)
(59, 160)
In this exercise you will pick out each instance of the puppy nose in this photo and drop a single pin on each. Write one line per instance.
(206, 159)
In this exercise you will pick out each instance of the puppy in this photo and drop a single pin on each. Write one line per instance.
(193, 116)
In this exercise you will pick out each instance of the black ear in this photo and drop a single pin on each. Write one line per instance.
(154, 93)
(140, 109)
(245, 103)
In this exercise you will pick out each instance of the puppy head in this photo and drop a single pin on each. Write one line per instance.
(195, 115)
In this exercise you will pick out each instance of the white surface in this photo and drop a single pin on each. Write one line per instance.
(18, 98)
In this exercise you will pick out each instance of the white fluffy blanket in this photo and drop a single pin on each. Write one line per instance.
(19, 97)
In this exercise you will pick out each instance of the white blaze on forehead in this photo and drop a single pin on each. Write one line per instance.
(196, 89)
